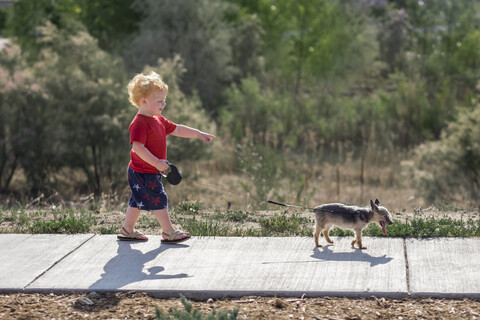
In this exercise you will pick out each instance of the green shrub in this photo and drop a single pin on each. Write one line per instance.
(195, 314)
(449, 169)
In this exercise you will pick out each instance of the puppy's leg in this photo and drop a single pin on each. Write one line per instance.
(358, 239)
(316, 234)
(326, 230)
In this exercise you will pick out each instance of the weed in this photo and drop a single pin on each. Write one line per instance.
(420, 227)
(109, 230)
(286, 225)
(148, 221)
(67, 223)
(189, 207)
(191, 313)
(198, 227)
(262, 166)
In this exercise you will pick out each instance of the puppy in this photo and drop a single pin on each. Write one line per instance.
(349, 217)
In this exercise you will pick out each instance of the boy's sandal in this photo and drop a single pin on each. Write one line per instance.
(171, 237)
(132, 236)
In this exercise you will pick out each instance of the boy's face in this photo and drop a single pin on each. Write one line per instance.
(154, 103)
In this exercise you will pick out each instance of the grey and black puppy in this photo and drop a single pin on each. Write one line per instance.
(349, 217)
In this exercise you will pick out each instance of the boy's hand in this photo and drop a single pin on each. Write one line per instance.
(206, 137)
(162, 165)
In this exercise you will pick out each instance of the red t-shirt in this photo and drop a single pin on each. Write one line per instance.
(152, 132)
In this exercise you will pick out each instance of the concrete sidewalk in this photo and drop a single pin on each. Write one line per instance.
(217, 267)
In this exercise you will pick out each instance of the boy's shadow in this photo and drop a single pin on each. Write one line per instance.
(127, 267)
(324, 253)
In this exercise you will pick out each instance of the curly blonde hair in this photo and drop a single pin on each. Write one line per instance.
(142, 85)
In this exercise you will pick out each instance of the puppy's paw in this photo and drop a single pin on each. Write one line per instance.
(360, 246)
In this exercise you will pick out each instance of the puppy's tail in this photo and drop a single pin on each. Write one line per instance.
(288, 205)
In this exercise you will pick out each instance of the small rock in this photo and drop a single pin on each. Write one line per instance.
(85, 301)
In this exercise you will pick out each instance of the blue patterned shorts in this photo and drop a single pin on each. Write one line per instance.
(147, 191)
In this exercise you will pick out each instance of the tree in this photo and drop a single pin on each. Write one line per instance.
(194, 30)
(109, 21)
(68, 112)
(24, 16)
(87, 85)
(310, 42)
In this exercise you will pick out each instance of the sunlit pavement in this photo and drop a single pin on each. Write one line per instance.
(217, 267)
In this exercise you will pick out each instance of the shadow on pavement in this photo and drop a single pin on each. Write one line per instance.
(325, 253)
(128, 267)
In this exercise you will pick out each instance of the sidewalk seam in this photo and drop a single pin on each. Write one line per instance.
(57, 262)
(407, 275)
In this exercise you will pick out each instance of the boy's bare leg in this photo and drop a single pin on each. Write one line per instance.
(165, 223)
(131, 217)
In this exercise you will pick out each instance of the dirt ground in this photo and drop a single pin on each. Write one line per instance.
(136, 305)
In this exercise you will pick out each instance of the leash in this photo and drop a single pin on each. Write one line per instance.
(252, 197)
(288, 205)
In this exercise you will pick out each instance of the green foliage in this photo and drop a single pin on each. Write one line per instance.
(263, 167)
(194, 314)
(260, 115)
(393, 39)
(64, 110)
(451, 166)
(286, 225)
(294, 78)
(428, 227)
(188, 207)
(67, 223)
(235, 216)
(3, 20)
(319, 41)
(194, 30)
(25, 16)
(109, 21)
(109, 230)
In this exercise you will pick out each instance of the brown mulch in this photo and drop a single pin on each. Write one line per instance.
(136, 305)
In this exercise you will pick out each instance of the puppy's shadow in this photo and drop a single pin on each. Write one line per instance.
(326, 254)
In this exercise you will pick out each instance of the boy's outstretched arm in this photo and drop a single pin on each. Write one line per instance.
(187, 132)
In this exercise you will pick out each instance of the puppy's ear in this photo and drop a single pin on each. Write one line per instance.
(373, 205)
(377, 202)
